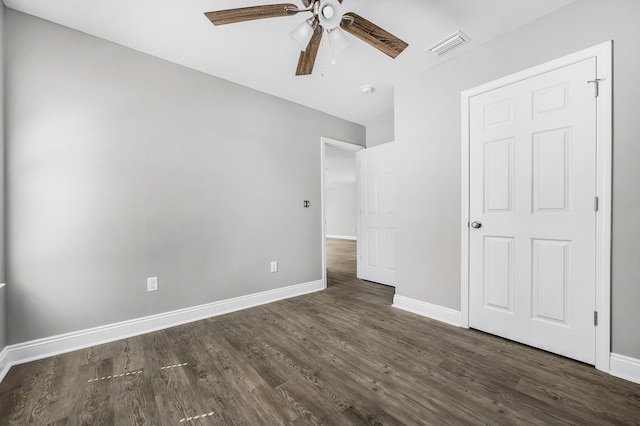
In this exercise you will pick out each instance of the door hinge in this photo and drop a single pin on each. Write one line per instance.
(597, 86)
(596, 203)
(595, 318)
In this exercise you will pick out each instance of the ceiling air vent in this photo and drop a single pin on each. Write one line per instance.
(448, 44)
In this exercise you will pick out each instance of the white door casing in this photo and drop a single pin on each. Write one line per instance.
(537, 268)
(377, 209)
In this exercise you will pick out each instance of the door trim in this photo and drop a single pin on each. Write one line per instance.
(603, 53)
(324, 142)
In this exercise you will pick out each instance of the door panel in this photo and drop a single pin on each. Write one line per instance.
(498, 270)
(371, 195)
(532, 185)
(498, 175)
(551, 170)
(551, 278)
(372, 244)
(377, 213)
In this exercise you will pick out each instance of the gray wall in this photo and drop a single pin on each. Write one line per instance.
(341, 209)
(3, 312)
(427, 114)
(380, 132)
(121, 166)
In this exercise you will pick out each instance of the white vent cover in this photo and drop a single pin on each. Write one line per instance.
(448, 44)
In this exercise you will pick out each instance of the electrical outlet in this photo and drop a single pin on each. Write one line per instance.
(274, 266)
(152, 283)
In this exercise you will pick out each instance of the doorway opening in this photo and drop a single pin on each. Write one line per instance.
(339, 199)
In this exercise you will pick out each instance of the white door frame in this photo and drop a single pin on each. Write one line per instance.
(324, 142)
(603, 52)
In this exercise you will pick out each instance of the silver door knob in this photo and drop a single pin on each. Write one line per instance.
(476, 225)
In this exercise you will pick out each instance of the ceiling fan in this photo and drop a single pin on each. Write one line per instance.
(326, 15)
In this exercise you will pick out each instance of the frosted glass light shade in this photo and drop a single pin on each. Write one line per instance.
(302, 34)
(338, 40)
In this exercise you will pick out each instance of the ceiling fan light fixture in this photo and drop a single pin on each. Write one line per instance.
(337, 40)
(326, 15)
(302, 33)
(329, 14)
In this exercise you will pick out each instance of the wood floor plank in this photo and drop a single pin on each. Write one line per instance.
(372, 356)
(292, 364)
(342, 356)
(358, 373)
(97, 405)
(30, 398)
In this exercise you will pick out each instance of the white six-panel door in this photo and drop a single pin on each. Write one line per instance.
(532, 189)
(377, 213)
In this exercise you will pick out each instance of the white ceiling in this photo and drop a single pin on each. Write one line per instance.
(260, 54)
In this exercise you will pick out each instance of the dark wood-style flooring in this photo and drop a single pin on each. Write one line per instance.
(338, 357)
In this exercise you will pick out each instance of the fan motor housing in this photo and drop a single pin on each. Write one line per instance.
(329, 14)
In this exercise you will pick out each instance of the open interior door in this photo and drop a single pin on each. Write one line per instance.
(377, 210)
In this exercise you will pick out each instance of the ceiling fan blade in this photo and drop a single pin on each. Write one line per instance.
(230, 16)
(308, 57)
(374, 35)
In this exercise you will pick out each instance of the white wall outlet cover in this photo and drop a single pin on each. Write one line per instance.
(274, 266)
(152, 283)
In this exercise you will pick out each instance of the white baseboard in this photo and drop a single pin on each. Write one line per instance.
(625, 367)
(4, 363)
(343, 237)
(439, 313)
(50, 346)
